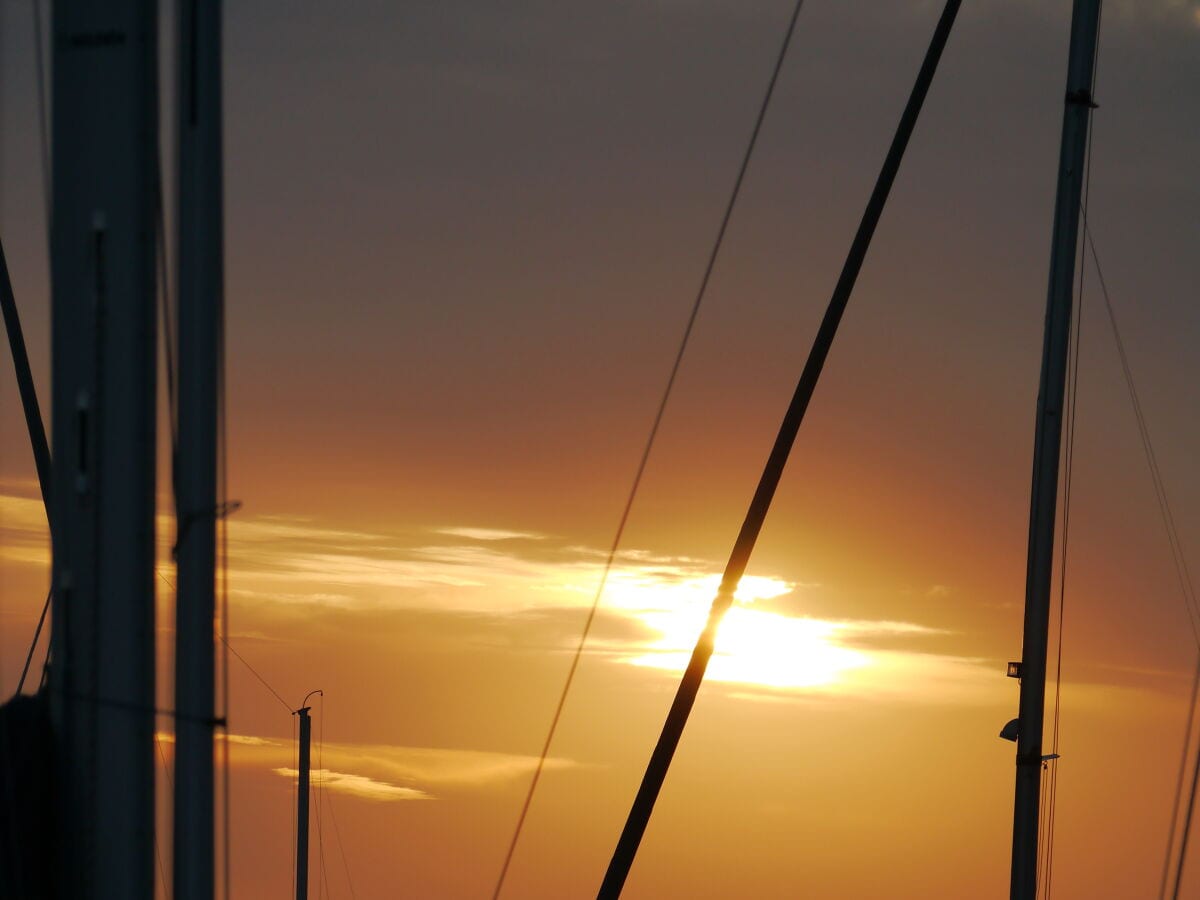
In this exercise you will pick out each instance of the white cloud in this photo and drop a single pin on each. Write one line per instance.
(490, 534)
(356, 785)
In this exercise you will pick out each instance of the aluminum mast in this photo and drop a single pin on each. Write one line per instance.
(1085, 26)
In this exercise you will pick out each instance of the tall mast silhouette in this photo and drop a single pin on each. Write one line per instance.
(105, 170)
(201, 292)
(1085, 26)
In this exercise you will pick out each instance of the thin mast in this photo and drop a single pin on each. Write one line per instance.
(105, 77)
(1085, 26)
(201, 290)
(302, 800)
(660, 760)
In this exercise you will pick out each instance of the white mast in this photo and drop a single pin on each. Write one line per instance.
(105, 132)
(1085, 25)
(201, 293)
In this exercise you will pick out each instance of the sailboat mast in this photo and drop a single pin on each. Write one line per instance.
(1085, 25)
(102, 700)
(201, 291)
(302, 781)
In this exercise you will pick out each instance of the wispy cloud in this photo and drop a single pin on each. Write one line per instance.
(24, 536)
(357, 785)
(766, 642)
(490, 534)
(386, 771)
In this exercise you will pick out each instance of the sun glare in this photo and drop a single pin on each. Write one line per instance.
(753, 646)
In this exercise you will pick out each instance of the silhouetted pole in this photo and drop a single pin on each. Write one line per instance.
(103, 425)
(1085, 24)
(660, 760)
(200, 285)
(302, 806)
(302, 800)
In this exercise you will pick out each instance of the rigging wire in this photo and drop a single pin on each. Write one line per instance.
(36, 634)
(223, 720)
(254, 672)
(341, 845)
(162, 879)
(228, 646)
(323, 883)
(1187, 830)
(650, 440)
(1072, 418)
(1071, 421)
(295, 793)
(1182, 571)
(170, 786)
(1050, 807)
(1178, 558)
(1183, 759)
(222, 599)
(163, 287)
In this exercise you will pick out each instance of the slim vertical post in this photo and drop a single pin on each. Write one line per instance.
(1085, 24)
(302, 804)
(105, 165)
(200, 291)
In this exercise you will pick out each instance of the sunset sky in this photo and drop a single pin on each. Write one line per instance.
(462, 241)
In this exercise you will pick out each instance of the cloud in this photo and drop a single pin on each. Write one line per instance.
(246, 740)
(765, 645)
(386, 771)
(490, 534)
(490, 570)
(653, 608)
(24, 536)
(357, 785)
(442, 767)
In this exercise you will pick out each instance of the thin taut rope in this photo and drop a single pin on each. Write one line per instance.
(645, 458)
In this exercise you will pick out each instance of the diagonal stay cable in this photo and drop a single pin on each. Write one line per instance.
(1179, 781)
(253, 671)
(1182, 572)
(1187, 830)
(660, 760)
(645, 457)
(1073, 355)
(341, 845)
(37, 633)
(1178, 558)
(1181, 566)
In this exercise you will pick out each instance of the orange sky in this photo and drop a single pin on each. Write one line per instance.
(461, 245)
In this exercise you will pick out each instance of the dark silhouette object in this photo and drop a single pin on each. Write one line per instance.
(302, 798)
(1081, 66)
(26, 799)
